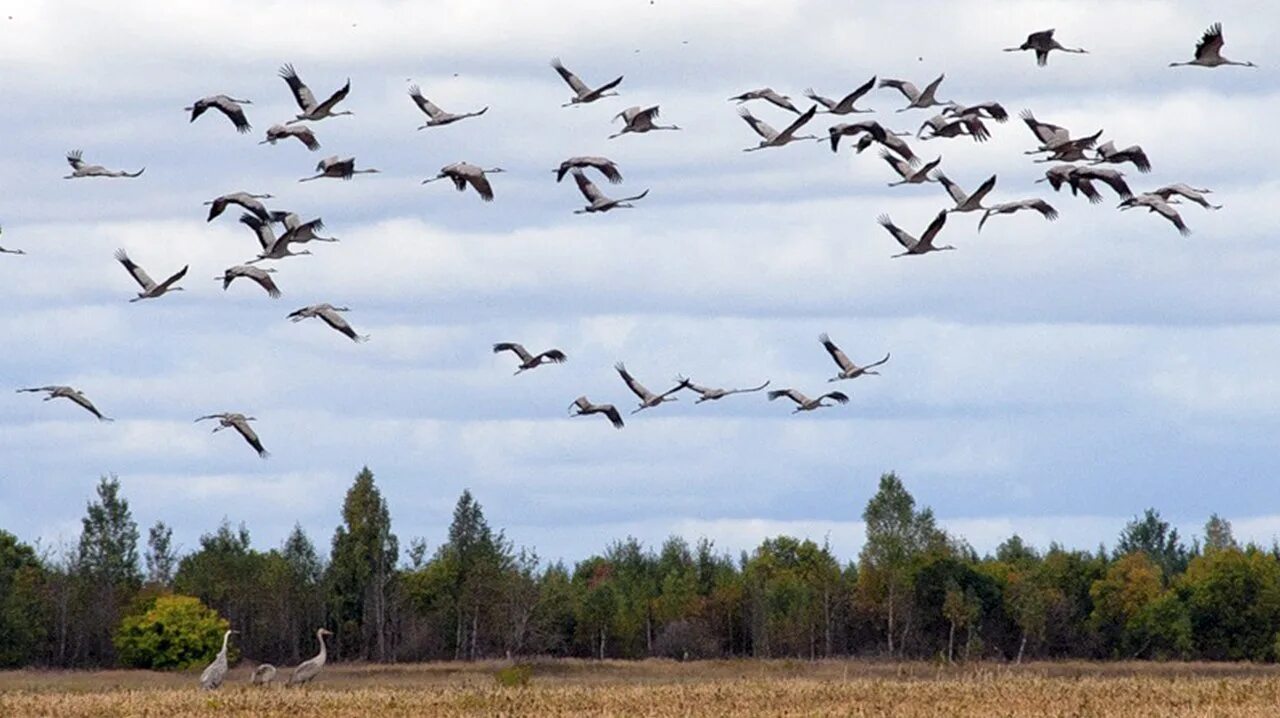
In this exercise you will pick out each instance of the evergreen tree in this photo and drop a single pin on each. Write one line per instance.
(106, 569)
(161, 557)
(1155, 537)
(1218, 535)
(361, 572)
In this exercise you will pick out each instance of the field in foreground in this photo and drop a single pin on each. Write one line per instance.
(662, 688)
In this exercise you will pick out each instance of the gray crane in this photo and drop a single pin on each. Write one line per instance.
(638, 120)
(804, 403)
(303, 134)
(311, 110)
(1107, 153)
(925, 244)
(309, 669)
(1054, 138)
(915, 98)
(150, 290)
(872, 129)
(1081, 179)
(773, 138)
(1209, 51)
(263, 675)
(606, 166)
(1157, 204)
(943, 126)
(329, 314)
(212, 676)
(711, 394)
(297, 231)
(990, 110)
(967, 202)
(248, 200)
(261, 276)
(1042, 42)
(768, 95)
(844, 105)
(228, 106)
(1194, 194)
(909, 174)
(1039, 205)
(9, 251)
(273, 247)
(848, 370)
(337, 168)
(465, 173)
(647, 398)
(891, 141)
(582, 406)
(581, 93)
(239, 422)
(66, 392)
(79, 169)
(437, 117)
(530, 361)
(597, 201)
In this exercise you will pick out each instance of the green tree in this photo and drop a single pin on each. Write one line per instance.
(170, 632)
(1233, 598)
(1218, 534)
(361, 571)
(1121, 598)
(1154, 536)
(22, 609)
(106, 568)
(161, 557)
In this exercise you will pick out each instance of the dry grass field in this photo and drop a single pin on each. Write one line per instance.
(662, 688)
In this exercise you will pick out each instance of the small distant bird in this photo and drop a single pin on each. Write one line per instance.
(923, 245)
(150, 290)
(581, 93)
(311, 110)
(597, 201)
(337, 167)
(463, 174)
(583, 407)
(80, 169)
(530, 361)
(909, 174)
(1108, 153)
(845, 105)
(275, 133)
(915, 98)
(848, 370)
(247, 200)
(804, 403)
(261, 276)
(329, 315)
(263, 675)
(1042, 42)
(240, 423)
(437, 117)
(710, 394)
(1039, 205)
(768, 95)
(9, 251)
(1157, 204)
(228, 106)
(640, 120)
(1209, 51)
(66, 392)
(773, 138)
(1194, 194)
(990, 110)
(967, 202)
(648, 399)
(213, 675)
(606, 166)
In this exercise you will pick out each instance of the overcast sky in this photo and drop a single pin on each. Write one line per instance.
(1052, 379)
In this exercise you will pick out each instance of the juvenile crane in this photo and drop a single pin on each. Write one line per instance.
(228, 106)
(329, 314)
(263, 675)
(638, 120)
(463, 174)
(1157, 204)
(773, 138)
(248, 200)
(648, 399)
(607, 167)
(967, 202)
(768, 95)
(1039, 205)
(239, 422)
(915, 98)
(1042, 42)
(804, 403)
(338, 168)
(848, 370)
(309, 669)
(1209, 51)
(311, 110)
(150, 290)
(582, 406)
(909, 174)
(261, 276)
(80, 169)
(597, 201)
(66, 392)
(844, 105)
(925, 244)
(710, 394)
(437, 117)
(530, 361)
(212, 677)
(275, 133)
(581, 93)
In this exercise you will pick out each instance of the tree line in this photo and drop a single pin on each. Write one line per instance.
(914, 592)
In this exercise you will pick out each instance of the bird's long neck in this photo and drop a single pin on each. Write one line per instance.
(225, 637)
(323, 651)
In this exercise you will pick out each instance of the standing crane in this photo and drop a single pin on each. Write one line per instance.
(309, 669)
(1209, 51)
(530, 361)
(303, 134)
(924, 245)
(239, 422)
(1157, 204)
(597, 201)
(710, 394)
(211, 678)
(228, 106)
(66, 392)
(80, 169)
(437, 117)
(248, 200)
(845, 105)
(607, 167)
(909, 174)
(1039, 205)
(804, 403)
(915, 98)
(311, 110)
(329, 314)
(848, 370)
(463, 174)
(648, 399)
(768, 95)
(338, 168)
(582, 406)
(261, 276)
(263, 675)
(967, 202)
(581, 93)
(1042, 42)
(639, 120)
(773, 138)
(150, 290)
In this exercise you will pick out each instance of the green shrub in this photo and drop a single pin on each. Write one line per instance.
(515, 676)
(169, 632)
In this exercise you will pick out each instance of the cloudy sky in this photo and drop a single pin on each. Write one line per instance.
(1052, 379)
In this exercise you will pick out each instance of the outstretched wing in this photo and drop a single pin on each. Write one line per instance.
(335, 98)
(587, 187)
(176, 276)
(139, 275)
(1211, 42)
(799, 122)
(907, 241)
(934, 227)
(301, 93)
(839, 356)
(335, 320)
(636, 387)
(427, 106)
(761, 127)
(74, 158)
(792, 394)
(575, 84)
(247, 432)
(835, 396)
(552, 355)
(513, 347)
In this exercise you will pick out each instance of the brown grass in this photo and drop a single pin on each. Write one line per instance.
(664, 688)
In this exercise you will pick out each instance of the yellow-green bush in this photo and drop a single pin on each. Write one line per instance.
(169, 632)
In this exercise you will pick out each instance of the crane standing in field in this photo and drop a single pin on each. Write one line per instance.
(309, 669)
(263, 675)
(66, 392)
(239, 422)
(212, 677)
(848, 370)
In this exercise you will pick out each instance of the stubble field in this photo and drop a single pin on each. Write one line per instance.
(661, 688)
